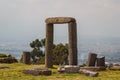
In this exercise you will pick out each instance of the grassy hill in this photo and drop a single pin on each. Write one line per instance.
(15, 73)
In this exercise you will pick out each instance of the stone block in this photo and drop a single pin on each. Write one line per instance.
(115, 68)
(101, 61)
(69, 69)
(59, 20)
(92, 68)
(88, 73)
(38, 72)
(91, 59)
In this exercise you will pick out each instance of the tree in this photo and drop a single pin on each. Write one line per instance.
(43, 42)
(36, 53)
(60, 54)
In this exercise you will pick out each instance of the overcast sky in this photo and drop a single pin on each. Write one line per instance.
(25, 19)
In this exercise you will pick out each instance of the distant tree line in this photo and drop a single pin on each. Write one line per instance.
(60, 52)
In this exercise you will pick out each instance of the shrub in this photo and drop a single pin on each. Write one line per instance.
(3, 55)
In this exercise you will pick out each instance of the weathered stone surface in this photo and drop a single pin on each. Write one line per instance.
(92, 68)
(26, 57)
(49, 45)
(111, 64)
(38, 71)
(116, 64)
(72, 58)
(69, 69)
(101, 61)
(115, 68)
(108, 64)
(88, 73)
(72, 46)
(91, 59)
(61, 70)
(59, 20)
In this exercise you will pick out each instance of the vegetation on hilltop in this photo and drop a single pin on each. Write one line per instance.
(37, 53)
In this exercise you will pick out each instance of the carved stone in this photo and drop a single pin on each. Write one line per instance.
(72, 31)
(26, 57)
(59, 20)
(49, 45)
(38, 72)
(88, 73)
(101, 61)
(69, 69)
(91, 59)
(93, 68)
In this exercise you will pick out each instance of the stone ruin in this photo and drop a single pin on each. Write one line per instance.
(93, 60)
(113, 66)
(95, 63)
(72, 45)
(69, 69)
(38, 72)
(25, 57)
(72, 31)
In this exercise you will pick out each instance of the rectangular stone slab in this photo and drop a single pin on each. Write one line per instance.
(94, 68)
(59, 20)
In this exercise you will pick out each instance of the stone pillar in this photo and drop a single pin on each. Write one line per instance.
(91, 59)
(101, 61)
(49, 46)
(26, 57)
(72, 43)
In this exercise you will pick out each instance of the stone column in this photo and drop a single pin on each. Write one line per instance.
(49, 46)
(91, 59)
(26, 57)
(101, 61)
(72, 43)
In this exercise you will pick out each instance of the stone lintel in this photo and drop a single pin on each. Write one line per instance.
(59, 20)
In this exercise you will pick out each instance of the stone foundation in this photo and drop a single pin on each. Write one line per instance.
(69, 69)
(38, 72)
(92, 68)
(115, 68)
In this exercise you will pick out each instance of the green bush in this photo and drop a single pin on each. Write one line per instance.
(3, 55)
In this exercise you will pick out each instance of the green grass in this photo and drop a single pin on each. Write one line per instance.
(15, 73)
